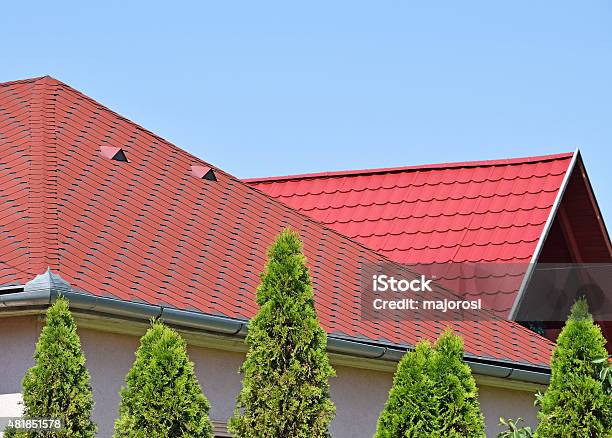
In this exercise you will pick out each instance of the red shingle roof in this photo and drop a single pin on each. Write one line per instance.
(471, 212)
(148, 230)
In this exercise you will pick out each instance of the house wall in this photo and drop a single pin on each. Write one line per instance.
(359, 394)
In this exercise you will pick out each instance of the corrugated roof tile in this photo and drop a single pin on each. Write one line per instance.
(460, 212)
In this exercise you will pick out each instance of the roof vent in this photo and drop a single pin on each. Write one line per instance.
(203, 172)
(113, 153)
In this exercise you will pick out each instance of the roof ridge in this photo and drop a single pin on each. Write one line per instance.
(139, 126)
(235, 178)
(43, 176)
(432, 166)
(23, 81)
(51, 80)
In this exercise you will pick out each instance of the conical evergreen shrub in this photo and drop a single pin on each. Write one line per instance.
(162, 398)
(285, 389)
(575, 404)
(57, 386)
(433, 395)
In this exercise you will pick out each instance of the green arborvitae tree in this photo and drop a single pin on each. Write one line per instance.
(57, 386)
(575, 404)
(285, 389)
(162, 398)
(434, 395)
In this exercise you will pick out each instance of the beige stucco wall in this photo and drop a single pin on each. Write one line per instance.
(359, 394)
(17, 339)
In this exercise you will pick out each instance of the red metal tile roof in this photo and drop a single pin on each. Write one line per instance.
(147, 230)
(470, 212)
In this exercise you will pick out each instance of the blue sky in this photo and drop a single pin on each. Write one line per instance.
(268, 88)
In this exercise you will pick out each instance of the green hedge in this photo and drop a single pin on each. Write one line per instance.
(285, 389)
(57, 386)
(162, 397)
(575, 404)
(434, 395)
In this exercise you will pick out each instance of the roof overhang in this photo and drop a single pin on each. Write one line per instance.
(545, 231)
(39, 293)
(576, 165)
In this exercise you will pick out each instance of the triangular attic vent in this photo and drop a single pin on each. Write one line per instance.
(203, 172)
(113, 153)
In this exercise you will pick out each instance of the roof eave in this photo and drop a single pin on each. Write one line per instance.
(45, 289)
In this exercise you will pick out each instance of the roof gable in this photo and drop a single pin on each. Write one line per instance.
(473, 212)
(574, 235)
(147, 230)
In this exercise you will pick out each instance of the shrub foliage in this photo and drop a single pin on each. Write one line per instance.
(57, 386)
(513, 430)
(162, 397)
(575, 404)
(285, 389)
(433, 394)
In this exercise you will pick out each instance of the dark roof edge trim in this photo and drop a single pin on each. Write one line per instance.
(36, 297)
(598, 214)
